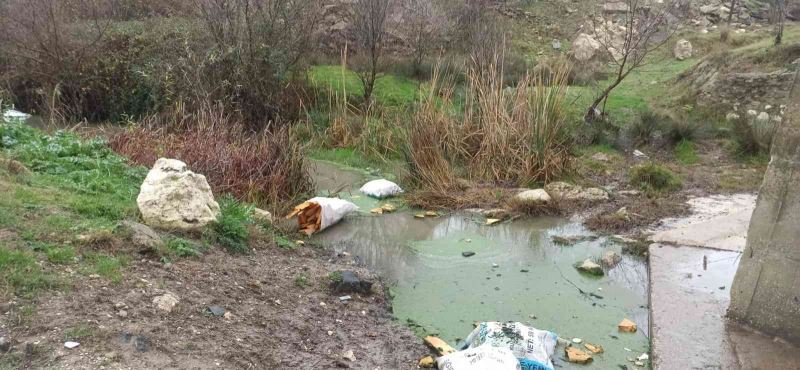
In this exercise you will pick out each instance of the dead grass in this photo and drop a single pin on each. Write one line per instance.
(265, 167)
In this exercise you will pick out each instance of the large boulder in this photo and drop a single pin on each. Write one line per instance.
(585, 47)
(683, 50)
(172, 197)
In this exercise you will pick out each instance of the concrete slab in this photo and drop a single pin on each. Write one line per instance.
(689, 299)
(717, 222)
(688, 307)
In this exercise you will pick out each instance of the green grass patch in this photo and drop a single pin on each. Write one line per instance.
(231, 227)
(61, 255)
(182, 247)
(390, 90)
(685, 152)
(78, 332)
(301, 280)
(654, 178)
(108, 267)
(20, 274)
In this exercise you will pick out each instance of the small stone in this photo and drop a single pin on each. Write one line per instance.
(494, 265)
(262, 216)
(602, 157)
(611, 258)
(577, 340)
(577, 356)
(228, 316)
(71, 345)
(345, 298)
(467, 254)
(166, 302)
(639, 154)
(532, 198)
(349, 355)
(590, 267)
(351, 283)
(643, 357)
(330, 333)
(216, 310)
(122, 313)
(627, 326)
(322, 304)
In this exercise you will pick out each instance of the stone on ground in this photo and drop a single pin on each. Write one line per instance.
(590, 267)
(166, 302)
(683, 49)
(536, 197)
(141, 236)
(261, 215)
(563, 191)
(585, 47)
(173, 197)
(349, 282)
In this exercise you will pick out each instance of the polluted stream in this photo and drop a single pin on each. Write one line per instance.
(517, 272)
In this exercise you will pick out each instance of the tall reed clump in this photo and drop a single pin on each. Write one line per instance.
(505, 136)
(264, 167)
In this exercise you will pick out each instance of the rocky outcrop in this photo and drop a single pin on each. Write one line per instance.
(683, 49)
(536, 197)
(585, 47)
(172, 197)
(716, 85)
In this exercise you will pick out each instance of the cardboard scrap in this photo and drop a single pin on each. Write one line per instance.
(438, 345)
(593, 348)
(627, 326)
(577, 356)
(427, 362)
(309, 217)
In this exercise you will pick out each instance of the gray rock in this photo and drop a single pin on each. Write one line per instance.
(467, 254)
(590, 267)
(556, 44)
(166, 302)
(611, 258)
(534, 197)
(216, 310)
(683, 49)
(141, 236)
(569, 192)
(351, 283)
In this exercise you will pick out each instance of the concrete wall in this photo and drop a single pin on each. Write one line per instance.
(766, 289)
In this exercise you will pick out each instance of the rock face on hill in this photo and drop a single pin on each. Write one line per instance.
(718, 85)
(172, 197)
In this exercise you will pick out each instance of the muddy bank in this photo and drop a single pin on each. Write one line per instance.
(282, 315)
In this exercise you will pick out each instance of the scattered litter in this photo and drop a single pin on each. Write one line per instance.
(494, 265)
(639, 363)
(15, 115)
(627, 326)
(419, 215)
(577, 340)
(532, 347)
(330, 333)
(577, 356)
(480, 358)
(427, 362)
(627, 349)
(467, 254)
(643, 357)
(431, 214)
(71, 345)
(320, 213)
(468, 240)
(594, 348)
(376, 211)
(381, 189)
(345, 298)
(322, 304)
(492, 221)
(389, 208)
(439, 346)
(299, 242)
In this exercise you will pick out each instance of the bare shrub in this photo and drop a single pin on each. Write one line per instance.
(370, 21)
(266, 168)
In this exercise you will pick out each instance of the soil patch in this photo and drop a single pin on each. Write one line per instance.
(279, 313)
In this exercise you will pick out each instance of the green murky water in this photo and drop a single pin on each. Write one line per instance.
(516, 274)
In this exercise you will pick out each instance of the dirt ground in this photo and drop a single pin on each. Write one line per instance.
(275, 324)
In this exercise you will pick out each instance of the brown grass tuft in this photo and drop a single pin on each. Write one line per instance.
(265, 167)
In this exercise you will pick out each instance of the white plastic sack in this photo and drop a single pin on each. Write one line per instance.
(12, 114)
(532, 347)
(479, 358)
(333, 210)
(320, 213)
(381, 189)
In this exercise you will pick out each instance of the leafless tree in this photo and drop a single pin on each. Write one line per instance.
(370, 21)
(731, 11)
(423, 25)
(478, 33)
(645, 28)
(779, 17)
(258, 43)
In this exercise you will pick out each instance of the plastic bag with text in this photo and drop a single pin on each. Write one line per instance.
(532, 347)
(479, 358)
